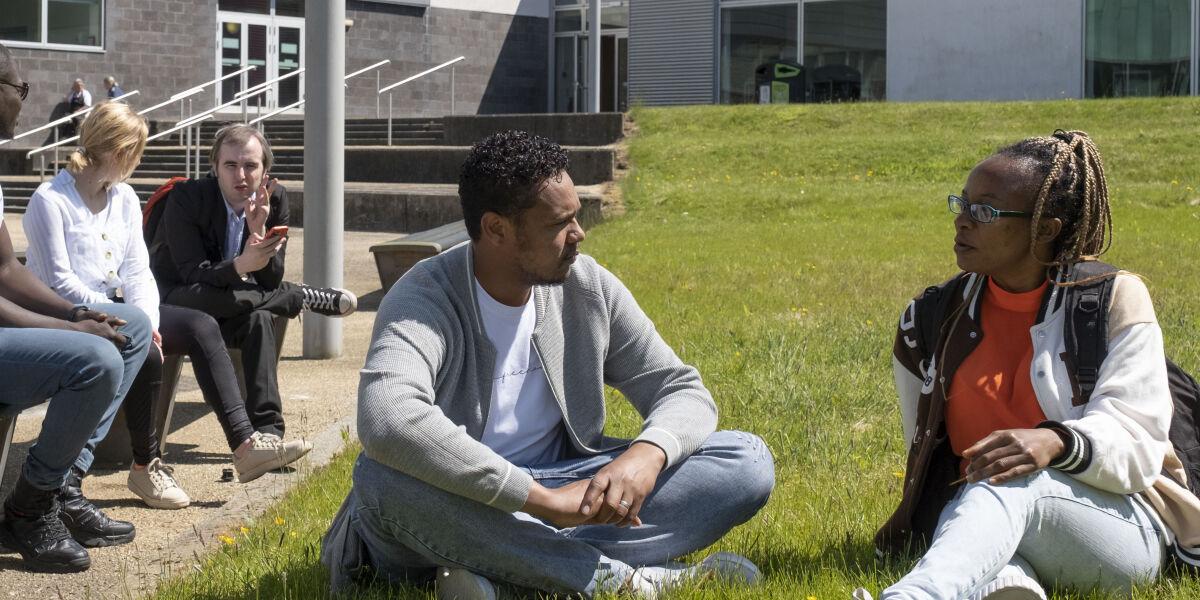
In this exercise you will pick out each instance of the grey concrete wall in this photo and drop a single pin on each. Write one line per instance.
(152, 45)
(441, 164)
(504, 72)
(1001, 50)
(574, 129)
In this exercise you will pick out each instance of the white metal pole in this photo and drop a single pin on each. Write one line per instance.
(389, 118)
(376, 94)
(324, 168)
(452, 89)
(187, 154)
(593, 76)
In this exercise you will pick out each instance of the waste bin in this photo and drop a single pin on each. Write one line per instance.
(836, 83)
(779, 82)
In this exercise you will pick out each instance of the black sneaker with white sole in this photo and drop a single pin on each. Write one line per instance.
(331, 302)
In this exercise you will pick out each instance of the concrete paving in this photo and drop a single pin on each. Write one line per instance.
(319, 403)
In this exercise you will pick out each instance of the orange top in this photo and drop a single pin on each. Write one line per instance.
(991, 390)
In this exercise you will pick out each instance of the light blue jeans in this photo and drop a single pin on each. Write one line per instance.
(84, 376)
(409, 527)
(1049, 526)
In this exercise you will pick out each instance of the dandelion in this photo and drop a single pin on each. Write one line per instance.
(793, 309)
(279, 520)
(1189, 188)
(1174, 182)
(869, 322)
(245, 529)
(898, 474)
(727, 176)
(812, 598)
(228, 540)
(293, 534)
(737, 353)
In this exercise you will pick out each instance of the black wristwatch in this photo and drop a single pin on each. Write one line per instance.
(75, 310)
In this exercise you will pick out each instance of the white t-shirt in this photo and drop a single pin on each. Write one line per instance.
(524, 422)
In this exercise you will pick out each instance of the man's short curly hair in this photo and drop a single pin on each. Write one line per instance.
(503, 173)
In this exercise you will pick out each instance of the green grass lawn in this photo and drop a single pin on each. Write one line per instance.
(774, 247)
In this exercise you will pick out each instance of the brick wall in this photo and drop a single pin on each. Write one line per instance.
(504, 72)
(164, 46)
(157, 46)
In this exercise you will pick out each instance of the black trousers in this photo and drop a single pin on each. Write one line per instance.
(196, 334)
(246, 315)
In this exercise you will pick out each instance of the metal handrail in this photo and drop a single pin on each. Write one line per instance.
(250, 91)
(178, 126)
(175, 98)
(58, 122)
(393, 86)
(190, 91)
(421, 74)
(258, 120)
(187, 148)
(301, 102)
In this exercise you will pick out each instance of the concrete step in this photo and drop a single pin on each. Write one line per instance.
(368, 206)
(589, 165)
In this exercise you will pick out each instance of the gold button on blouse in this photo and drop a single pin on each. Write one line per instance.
(104, 235)
(108, 255)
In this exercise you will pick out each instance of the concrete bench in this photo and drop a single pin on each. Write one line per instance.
(395, 257)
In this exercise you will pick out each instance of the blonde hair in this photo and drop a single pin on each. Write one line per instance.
(112, 129)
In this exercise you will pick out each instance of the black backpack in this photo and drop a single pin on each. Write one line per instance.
(1086, 336)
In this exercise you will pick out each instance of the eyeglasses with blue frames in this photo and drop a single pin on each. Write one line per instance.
(22, 89)
(982, 213)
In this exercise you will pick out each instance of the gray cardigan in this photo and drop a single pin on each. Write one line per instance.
(426, 386)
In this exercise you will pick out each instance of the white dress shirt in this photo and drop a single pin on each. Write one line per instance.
(88, 257)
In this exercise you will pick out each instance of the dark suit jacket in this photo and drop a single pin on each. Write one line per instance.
(190, 239)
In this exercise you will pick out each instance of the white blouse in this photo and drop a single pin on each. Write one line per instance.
(85, 257)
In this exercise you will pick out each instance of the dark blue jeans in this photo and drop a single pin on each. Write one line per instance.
(84, 376)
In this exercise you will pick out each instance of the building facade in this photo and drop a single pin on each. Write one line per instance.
(573, 55)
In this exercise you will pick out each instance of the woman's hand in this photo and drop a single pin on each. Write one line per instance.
(158, 343)
(1010, 453)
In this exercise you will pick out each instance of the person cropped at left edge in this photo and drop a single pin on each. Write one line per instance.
(82, 361)
(482, 415)
(85, 241)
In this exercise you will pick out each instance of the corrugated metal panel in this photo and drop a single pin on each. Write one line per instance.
(671, 51)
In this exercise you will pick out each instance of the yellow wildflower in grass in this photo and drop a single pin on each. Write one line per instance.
(279, 520)
(228, 540)
(245, 529)
(293, 534)
(1174, 182)
(898, 474)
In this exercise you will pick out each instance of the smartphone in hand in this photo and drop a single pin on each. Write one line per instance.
(277, 232)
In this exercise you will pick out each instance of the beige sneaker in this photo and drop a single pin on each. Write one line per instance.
(155, 485)
(267, 452)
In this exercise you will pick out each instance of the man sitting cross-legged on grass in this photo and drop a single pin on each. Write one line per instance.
(482, 412)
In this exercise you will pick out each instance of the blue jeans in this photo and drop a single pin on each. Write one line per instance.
(1049, 526)
(409, 527)
(84, 376)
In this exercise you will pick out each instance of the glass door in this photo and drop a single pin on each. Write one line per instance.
(570, 73)
(614, 59)
(273, 45)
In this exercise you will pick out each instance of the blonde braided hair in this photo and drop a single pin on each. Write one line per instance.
(1073, 189)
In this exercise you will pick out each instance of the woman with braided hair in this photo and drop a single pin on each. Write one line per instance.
(1015, 479)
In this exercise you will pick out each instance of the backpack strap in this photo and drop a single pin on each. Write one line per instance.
(1086, 329)
(931, 312)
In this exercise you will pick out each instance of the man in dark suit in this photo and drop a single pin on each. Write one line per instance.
(214, 251)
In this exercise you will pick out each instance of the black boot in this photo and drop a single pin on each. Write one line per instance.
(86, 523)
(31, 527)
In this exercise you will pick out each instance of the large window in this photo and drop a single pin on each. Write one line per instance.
(752, 36)
(844, 49)
(1139, 48)
(803, 51)
(52, 23)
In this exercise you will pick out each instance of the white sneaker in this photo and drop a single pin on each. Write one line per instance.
(861, 594)
(267, 452)
(1017, 586)
(155, 485)
(724, 566)
(461, 584)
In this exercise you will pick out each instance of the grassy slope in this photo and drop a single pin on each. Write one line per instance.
(774, 247)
